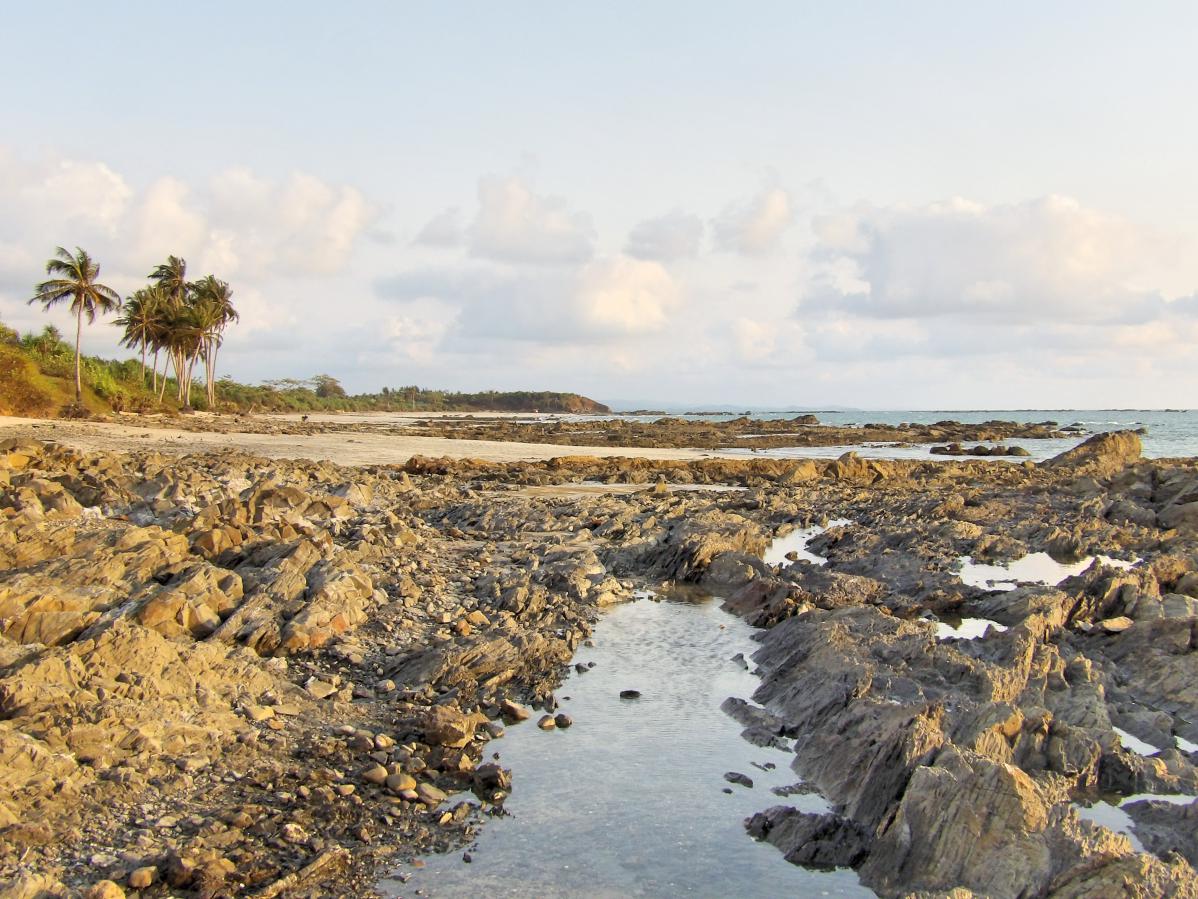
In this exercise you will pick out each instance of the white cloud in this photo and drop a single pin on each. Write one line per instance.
(625, 296)
(607, 299)
(675, 235)
(754, 226)
(514, 224)
(1049, 259)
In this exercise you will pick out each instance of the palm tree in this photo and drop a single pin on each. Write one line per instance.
(76, 281)
(141, 313)
(214, 306)
(172, 280)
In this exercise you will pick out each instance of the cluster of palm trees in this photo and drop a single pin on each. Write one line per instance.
(185, 320)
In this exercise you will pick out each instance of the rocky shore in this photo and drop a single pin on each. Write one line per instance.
(666, 432)
(740, 433)
(226, 675)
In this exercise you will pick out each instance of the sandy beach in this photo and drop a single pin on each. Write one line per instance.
(358, 448)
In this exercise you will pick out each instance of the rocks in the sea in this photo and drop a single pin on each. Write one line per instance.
(630, 694)
(735, 777)
(956, 449)
(811, 840)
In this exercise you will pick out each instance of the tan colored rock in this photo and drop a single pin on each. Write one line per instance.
(445, 726)
(143, 877)
(1101, 455)
(400, 782)
(1116, 625)
(104, 889)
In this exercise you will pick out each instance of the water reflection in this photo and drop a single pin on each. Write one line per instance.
(796, 542)
(1034, 568)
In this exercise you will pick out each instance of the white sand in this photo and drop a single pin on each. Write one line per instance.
(346, 448)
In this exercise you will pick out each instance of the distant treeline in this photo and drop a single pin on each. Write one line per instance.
(36, 378)
(324, 392)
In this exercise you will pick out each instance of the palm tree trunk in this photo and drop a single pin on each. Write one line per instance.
(155, 374)
(78, 336)
(210, 374)
(143, 363)
(165, 366)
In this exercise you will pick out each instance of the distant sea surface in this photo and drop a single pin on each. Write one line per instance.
(1170, 434)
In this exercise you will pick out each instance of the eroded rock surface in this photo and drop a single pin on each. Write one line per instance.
(228, 675)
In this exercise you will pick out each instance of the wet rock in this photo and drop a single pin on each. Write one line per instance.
(811, 840)
(735, 777)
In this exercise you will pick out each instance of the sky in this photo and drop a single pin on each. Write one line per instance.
(774, 204)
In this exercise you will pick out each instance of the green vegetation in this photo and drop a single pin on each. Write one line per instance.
(184, 323)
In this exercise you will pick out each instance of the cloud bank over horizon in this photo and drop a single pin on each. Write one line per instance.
(656, 205)
(521, 288)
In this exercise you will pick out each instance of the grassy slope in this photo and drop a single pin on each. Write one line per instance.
(26, 390)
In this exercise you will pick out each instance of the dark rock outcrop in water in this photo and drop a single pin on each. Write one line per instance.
(229, 675)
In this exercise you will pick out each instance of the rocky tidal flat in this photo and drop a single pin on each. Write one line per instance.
(227, 675)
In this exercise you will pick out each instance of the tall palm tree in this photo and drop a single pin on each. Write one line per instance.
(76, 282)
(214, 302)
(172, 280)
(141, 313)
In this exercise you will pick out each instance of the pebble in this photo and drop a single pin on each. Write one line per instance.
(562, 720)
(546, 722)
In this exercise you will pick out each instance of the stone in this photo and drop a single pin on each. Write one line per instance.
(735, 777)
(104, 889)
(399, 783)
(546, 722)
(446, 726)
(319, 689)
(143, 877)
(1116, 625)
(562, 720)
(429, 794)
(376, 774)
(513, 711)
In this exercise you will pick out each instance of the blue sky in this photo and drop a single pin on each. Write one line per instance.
(889, 205)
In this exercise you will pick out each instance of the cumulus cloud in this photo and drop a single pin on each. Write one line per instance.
(604, 300)
(753, 227)
(1047, 284)
(1046, 259)
(236, 224)
(515, 224)
(675, 235)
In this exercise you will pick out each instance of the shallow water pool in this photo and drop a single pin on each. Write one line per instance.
(630, 801)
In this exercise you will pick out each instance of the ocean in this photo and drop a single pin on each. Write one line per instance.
(1169, 433)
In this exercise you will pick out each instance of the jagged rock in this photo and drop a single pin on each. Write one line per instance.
(816, 841)
(1101, 455)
